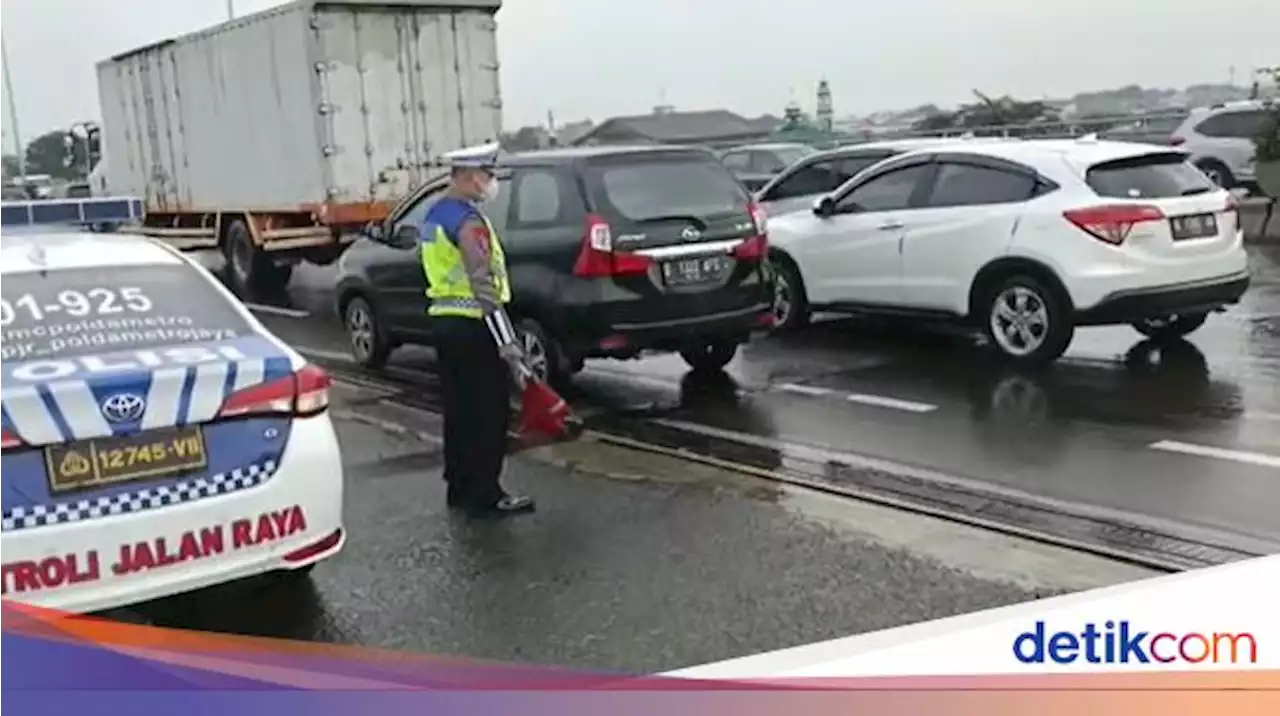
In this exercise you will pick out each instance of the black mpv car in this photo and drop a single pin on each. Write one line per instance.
(611, 251)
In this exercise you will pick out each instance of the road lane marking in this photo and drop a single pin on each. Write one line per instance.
(327, 355)
(879, 401)
(1253, 458)
(810, 390)
(278, 310)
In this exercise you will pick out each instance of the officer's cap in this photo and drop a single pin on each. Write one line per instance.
(483, 156)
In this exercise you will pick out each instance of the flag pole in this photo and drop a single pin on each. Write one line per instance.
(13, 113)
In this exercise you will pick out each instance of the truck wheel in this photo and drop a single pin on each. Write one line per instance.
(248, 266)
(709, 356)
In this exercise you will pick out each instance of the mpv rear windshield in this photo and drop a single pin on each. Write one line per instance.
(645, 187)
(86, 311)
(1150, 176)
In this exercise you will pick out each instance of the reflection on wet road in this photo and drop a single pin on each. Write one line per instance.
(1181, 439)
(1188, 432)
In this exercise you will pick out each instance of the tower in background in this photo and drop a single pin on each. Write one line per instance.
(826, 120)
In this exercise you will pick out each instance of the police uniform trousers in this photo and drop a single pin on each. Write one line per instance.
(476, 386)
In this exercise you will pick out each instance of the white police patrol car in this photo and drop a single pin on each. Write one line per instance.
(156, 437)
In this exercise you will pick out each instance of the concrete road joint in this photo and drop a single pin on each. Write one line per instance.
(1149, 542)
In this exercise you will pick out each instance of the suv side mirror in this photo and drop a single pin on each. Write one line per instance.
(824, 207)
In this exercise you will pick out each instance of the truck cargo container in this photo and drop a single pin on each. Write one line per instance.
(275, 137)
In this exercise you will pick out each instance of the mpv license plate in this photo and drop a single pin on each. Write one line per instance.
(1193, 226)
(106, 461)
(684, 272)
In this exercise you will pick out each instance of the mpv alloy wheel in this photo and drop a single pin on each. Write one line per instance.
(783, 299)
(367, 346)
(535, 354)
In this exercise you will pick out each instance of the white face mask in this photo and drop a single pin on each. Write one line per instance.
(491, 190)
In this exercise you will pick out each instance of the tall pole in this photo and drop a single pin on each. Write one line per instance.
(231, 9)
(13, 115)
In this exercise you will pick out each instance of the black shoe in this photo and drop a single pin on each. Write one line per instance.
(508, 505)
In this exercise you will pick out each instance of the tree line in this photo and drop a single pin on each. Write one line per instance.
(67, 155)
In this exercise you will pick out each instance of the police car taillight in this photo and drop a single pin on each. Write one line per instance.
(313, 391)
(10, 440)
(302, 394)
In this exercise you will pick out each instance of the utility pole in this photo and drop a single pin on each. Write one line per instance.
(231, 9)
(13, 116)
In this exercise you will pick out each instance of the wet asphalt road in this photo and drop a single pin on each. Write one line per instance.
(1187, 434)
(632, 563)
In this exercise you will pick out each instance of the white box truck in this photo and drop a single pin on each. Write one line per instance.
(275, 137)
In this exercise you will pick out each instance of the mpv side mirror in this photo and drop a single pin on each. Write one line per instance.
(824, 207)
(406, 236)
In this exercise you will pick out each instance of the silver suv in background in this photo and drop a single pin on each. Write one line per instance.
(1220, 140)
(756, 164)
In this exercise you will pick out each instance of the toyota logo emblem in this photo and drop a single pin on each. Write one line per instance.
(690, 234)
(124, 408)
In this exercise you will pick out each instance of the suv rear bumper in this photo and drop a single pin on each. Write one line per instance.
(630, 338)
(1133, 305)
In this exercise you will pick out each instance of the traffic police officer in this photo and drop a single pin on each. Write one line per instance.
(476, 344)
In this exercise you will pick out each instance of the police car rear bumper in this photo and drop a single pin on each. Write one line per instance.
(288, 520)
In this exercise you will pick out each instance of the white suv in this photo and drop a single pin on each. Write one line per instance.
(1023, 240)
(1220, 140)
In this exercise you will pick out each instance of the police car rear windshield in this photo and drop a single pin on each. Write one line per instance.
(78, 312)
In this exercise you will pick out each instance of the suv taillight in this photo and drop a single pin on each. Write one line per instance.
(1113, 224)
(756, 246)
(1177, 141)
(303, 394)
(597, 259)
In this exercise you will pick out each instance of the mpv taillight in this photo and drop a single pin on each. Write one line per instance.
(756, 246)
(597, 259)
(1113, 224)
(303, 394)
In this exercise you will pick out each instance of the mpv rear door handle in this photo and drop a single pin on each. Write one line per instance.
(891, 225)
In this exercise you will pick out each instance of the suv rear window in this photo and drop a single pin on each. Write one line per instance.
(86, 311)
(644, 187)
(1150, 176)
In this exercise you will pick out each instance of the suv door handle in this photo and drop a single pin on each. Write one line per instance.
(891, 225)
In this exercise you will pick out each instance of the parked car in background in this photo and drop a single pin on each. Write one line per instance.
(1220, 140)
(821, 172)
(755, 165)
(612, 252)
(1023, 241)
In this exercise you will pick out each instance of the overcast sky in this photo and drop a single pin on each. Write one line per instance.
(599, 58)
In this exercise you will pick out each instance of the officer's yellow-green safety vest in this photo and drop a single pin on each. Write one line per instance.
(448, 286)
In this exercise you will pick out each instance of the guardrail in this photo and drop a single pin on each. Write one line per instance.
(1150, 128)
